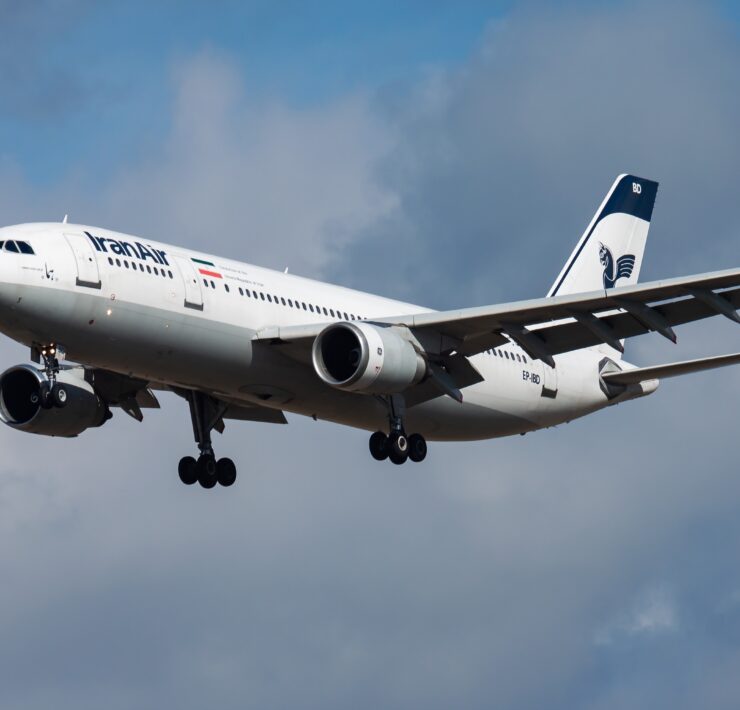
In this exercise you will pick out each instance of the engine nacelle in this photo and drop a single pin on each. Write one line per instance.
(361, 357)
(20, 402)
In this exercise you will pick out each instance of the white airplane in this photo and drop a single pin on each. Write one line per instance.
(241, 342)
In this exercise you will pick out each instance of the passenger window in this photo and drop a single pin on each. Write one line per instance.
(506, 354)
(282, 300)
(310, 307)
(241, 292)
(169, 272)
(226, 286)
(290, 303)
(125, 263)
(262, 295)
(1, 244)
(304, 306)
(205, 283)
(110, 260)
(25, 248)
(10, 246)
(326, 313)
(149, 269)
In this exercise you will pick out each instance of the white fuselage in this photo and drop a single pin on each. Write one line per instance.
(178, 318)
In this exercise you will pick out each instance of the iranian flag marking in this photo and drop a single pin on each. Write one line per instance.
(206, 272)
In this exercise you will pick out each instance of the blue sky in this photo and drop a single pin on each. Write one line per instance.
(109, 65)
(448, 154)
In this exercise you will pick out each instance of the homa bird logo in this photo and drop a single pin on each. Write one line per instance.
(612, 272)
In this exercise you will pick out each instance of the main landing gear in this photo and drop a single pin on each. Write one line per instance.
(206, 415)
(51, 393)
(396, 446)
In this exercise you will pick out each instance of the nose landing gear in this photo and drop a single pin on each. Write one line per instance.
(51, 392)
(206, 414)
(397, 446)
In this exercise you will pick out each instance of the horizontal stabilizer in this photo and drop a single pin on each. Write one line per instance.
(641, 374)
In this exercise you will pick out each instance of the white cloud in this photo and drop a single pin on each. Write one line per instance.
(323, 579)
(653, 613)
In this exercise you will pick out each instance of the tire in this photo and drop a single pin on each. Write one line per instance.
(397, 458)
(379, 446)
(59, 395)
(207, 471)
(417, 448)
(398, 444)
(187, 469)
(45, 396)
(225, 472)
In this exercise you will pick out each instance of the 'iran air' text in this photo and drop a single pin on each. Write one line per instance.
(137, 250)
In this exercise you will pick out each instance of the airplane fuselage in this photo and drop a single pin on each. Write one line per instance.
(185, 319)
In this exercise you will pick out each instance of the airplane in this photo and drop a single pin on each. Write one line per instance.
(110, 319)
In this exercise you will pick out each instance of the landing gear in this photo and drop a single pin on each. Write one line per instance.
(206, 414)
(397, 446)
(52, 393)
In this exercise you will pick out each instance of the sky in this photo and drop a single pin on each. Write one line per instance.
(446, 154)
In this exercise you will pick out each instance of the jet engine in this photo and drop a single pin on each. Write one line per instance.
(24, 404)
(361, 357)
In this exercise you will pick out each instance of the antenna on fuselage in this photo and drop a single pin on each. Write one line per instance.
(286, 270)
(64, 221)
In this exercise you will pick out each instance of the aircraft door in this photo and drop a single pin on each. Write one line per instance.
(85, 259)
(193, 294)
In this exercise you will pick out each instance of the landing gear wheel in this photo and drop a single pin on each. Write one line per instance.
(59, 395)
(398, 444)
(188, 470)
(398, 448)
(397, 458)
(225, 472)
(417, 448)
(379, 446)
(45, 396)
(207, 471)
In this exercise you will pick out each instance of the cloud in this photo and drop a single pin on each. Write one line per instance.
(501, 162)
(655, 612)
(323, 579)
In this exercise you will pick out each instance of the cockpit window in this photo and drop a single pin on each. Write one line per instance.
(17, 247)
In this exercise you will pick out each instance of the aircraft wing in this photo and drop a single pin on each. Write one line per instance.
(546, 327)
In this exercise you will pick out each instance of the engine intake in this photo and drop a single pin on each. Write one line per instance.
(21, 402)
(361, 357)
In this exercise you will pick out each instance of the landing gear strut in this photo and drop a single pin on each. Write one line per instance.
(396, 446)
(52, 393)
(206, 414)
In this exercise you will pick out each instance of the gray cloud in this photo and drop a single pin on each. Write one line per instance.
(489, 576)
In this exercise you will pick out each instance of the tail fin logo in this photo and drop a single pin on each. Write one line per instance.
(614, 271)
